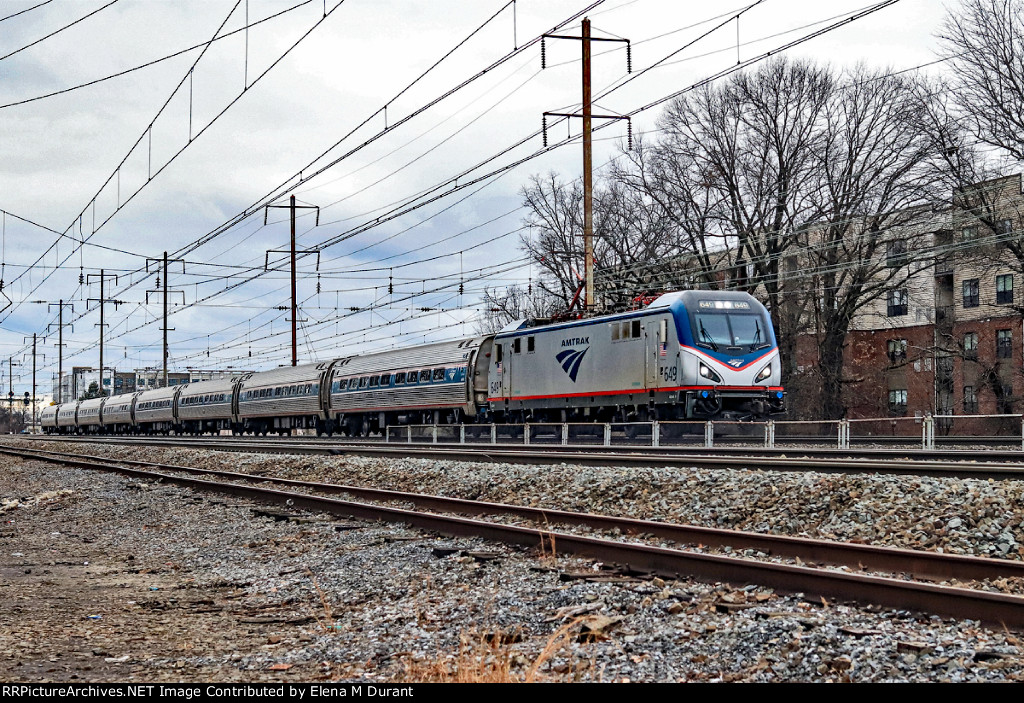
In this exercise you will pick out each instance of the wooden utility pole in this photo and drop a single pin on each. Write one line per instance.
(165, 262)
(588, 175)
(60, 345)
(103, 276)
(588, 161)
(292, 207)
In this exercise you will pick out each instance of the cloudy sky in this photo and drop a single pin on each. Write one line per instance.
(126, 132)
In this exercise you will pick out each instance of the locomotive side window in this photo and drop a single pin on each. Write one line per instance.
(663, 332)
(636, 329)
(516, 345)
(530, 345)
(497, 354)
(439, 374)
(615, 330)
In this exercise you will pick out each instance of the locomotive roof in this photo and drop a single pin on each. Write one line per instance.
(664, 301)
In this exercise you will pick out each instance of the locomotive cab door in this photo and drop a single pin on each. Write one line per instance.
(504, 357)
(656, 358)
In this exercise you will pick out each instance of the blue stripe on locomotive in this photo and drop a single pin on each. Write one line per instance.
(681, 315)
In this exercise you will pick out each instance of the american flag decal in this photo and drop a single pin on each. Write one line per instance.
(662, 351)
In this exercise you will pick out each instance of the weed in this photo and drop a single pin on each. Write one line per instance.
(491, 659)
(327, 622)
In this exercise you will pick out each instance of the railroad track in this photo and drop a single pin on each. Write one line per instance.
(999, 466)
(447, 516)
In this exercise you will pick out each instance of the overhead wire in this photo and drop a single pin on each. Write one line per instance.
(56, 31)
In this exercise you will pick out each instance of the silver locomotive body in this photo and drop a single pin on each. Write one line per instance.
(641, 365)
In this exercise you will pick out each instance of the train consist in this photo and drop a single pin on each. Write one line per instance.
(687, 355)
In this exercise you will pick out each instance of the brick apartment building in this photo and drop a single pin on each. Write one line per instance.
(946, 339)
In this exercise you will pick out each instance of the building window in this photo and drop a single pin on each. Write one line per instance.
(898, 401)
(1004, 344)
(896, 253)
(969, 234)
(971, 345)
(1004, 227)
(897, 302)
(971, 296)
(970, 400)
(1004, 289)
(897, 351)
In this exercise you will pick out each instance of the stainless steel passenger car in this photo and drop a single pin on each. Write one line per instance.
(443, 382)
(48, 419)
(155, 411)
(67, 414)
(207, 406)
(282, 399)
(117, 413)
(88, 419)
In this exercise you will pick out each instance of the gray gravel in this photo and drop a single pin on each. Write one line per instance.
(382, 603)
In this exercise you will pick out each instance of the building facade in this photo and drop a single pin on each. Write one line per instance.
(947, 338)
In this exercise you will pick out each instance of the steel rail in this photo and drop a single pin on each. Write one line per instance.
(594, 456)
(920, 564)
(995, 608)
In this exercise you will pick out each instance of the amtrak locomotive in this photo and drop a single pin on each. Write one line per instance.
(687, 355)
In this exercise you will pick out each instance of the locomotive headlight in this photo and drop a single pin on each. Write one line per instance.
(764, 374)
(707, 373)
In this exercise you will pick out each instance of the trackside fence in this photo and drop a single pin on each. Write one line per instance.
(904, 431)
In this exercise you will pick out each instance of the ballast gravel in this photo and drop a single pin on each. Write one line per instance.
(110, 578)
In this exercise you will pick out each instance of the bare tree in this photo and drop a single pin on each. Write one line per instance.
(870, 166)
(513, 303)
(632, 237)
(984, 42)
(555, 238)
(734, 172)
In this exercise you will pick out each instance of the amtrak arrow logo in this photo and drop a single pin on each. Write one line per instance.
(571, 360)
(736, 362)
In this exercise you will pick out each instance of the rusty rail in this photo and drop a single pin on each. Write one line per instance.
(996, 608)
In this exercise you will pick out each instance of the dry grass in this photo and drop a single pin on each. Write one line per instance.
(491, 659)
(326, 622)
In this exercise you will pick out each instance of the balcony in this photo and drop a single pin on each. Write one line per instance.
(945, 315)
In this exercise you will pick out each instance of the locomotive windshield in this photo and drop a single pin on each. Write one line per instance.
(721, 325)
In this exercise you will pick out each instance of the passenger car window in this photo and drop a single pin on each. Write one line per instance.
(424, 375)
(439, 374)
